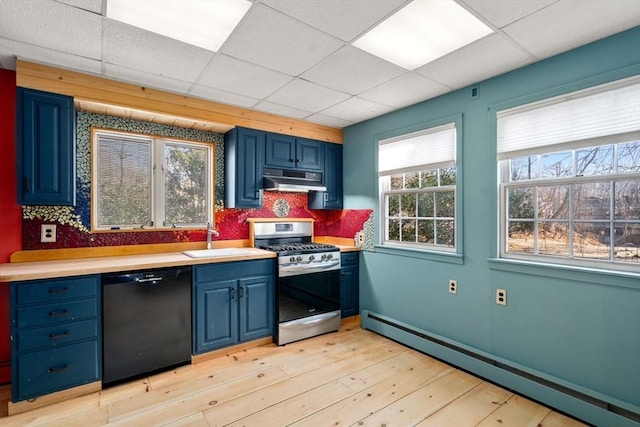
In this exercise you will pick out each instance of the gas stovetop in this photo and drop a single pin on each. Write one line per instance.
(290, 248)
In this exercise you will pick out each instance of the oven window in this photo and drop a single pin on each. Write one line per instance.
(308, 294)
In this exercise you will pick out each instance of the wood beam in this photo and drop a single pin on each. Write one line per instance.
(85, 87)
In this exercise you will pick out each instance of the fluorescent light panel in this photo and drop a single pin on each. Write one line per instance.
(203, 23)
(421, 32)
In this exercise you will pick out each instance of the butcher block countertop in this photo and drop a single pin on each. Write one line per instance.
(47, 269)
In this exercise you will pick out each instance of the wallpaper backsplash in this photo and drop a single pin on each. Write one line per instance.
(74, 223)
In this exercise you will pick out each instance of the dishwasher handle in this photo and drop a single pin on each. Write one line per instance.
(150, 280)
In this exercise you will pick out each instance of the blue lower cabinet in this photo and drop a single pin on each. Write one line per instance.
(233, 303)
(56, 335)
(349, 284)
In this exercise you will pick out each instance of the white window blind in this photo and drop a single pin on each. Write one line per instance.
(433, 148)
(607, 113)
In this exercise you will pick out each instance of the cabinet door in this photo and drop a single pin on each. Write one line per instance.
(216, 315)
(309, 154)
(46, 148)
(280, 151)
(244, 157)
(332, 198)
(349, 292)
(256, 307)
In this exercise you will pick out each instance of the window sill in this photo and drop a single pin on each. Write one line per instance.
(449, 257)
(621, 279)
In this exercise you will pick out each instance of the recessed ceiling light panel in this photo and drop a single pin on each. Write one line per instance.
(203, 23)
(421, 32)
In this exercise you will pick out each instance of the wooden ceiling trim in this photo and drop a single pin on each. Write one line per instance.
(96, 89)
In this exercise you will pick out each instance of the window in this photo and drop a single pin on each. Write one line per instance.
(145, 182)
(417, 181)
(570, 178)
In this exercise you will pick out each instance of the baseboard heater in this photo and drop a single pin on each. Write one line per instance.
(614, 409)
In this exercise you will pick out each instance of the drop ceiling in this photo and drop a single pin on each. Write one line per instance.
(295, 58)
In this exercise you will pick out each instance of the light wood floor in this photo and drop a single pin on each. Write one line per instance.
(352, 377)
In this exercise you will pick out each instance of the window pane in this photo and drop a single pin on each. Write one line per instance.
(397, 181)
(553, 202)
(627, 242)
(425, 205)
(409, 230)
(556, 165)
(627, 199)
(447, 176)
(553, 238)
(124, 182)
(629, 157)
(412, 180)
(425, 231)
(521, 202)
(429, 178)
(595, 160)
(394, 230)
(520, 237)
(393, 202)
(524, 168)
(445, 204)
(408, 205)
(186, 184)
(592, 200)
(591, 240)
(445, 233)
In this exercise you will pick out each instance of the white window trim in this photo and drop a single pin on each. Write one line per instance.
(158, 165)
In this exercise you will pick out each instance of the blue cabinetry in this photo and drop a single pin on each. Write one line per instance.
(46, 148)
(55, 326)
(244, 160)
(349, 284)
(233, 302)
(332, 176)
(289, 152)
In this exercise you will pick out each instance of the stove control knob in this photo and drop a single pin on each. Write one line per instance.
(311, 257)
(298, 258)
(329, 256)
(323, 257)
(292, 259)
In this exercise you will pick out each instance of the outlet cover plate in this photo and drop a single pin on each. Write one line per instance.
(501, 297)
(48, 233)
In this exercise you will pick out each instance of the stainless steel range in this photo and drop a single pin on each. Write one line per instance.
(308, 285)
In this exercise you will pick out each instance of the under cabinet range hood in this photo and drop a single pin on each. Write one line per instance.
(292, 180)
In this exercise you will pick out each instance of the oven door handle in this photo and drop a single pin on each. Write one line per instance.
(317, 318)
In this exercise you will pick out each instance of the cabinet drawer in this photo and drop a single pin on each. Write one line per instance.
(46, 371)
(56, 335)
(49, 314)
(349, 258)
(232, 270)
(42, 291)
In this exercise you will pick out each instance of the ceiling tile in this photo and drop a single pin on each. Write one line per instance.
(571, 23)
(352, 70)
(10, 49)
(281, 110)
(223, 97)
(345, 19)
(52, 25)
(356, 110)
(334, 122)
(504, 12)
(478, 61)
(271, 39)
(233, 75)
(94, 6)
(408, 89)
(142, 50)
(132, 76)
(307, 96)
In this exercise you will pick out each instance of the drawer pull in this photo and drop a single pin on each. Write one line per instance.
(55, 291)
(58, 336)
(57, 369)
(54, 314)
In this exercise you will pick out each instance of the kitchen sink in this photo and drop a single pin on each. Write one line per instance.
(211, 253)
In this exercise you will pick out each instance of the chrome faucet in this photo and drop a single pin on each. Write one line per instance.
(211, 232)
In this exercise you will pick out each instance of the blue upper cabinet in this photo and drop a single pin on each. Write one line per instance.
(332, 198)
(289, 152)
(244, 160)
(46, 148)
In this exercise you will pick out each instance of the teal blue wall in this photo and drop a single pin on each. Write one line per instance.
(579, 329)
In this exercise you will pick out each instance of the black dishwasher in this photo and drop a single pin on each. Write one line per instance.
(146, 322)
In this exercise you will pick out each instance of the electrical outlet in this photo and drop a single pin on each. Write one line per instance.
(501, 297)
(48, 233)
(453, 286)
